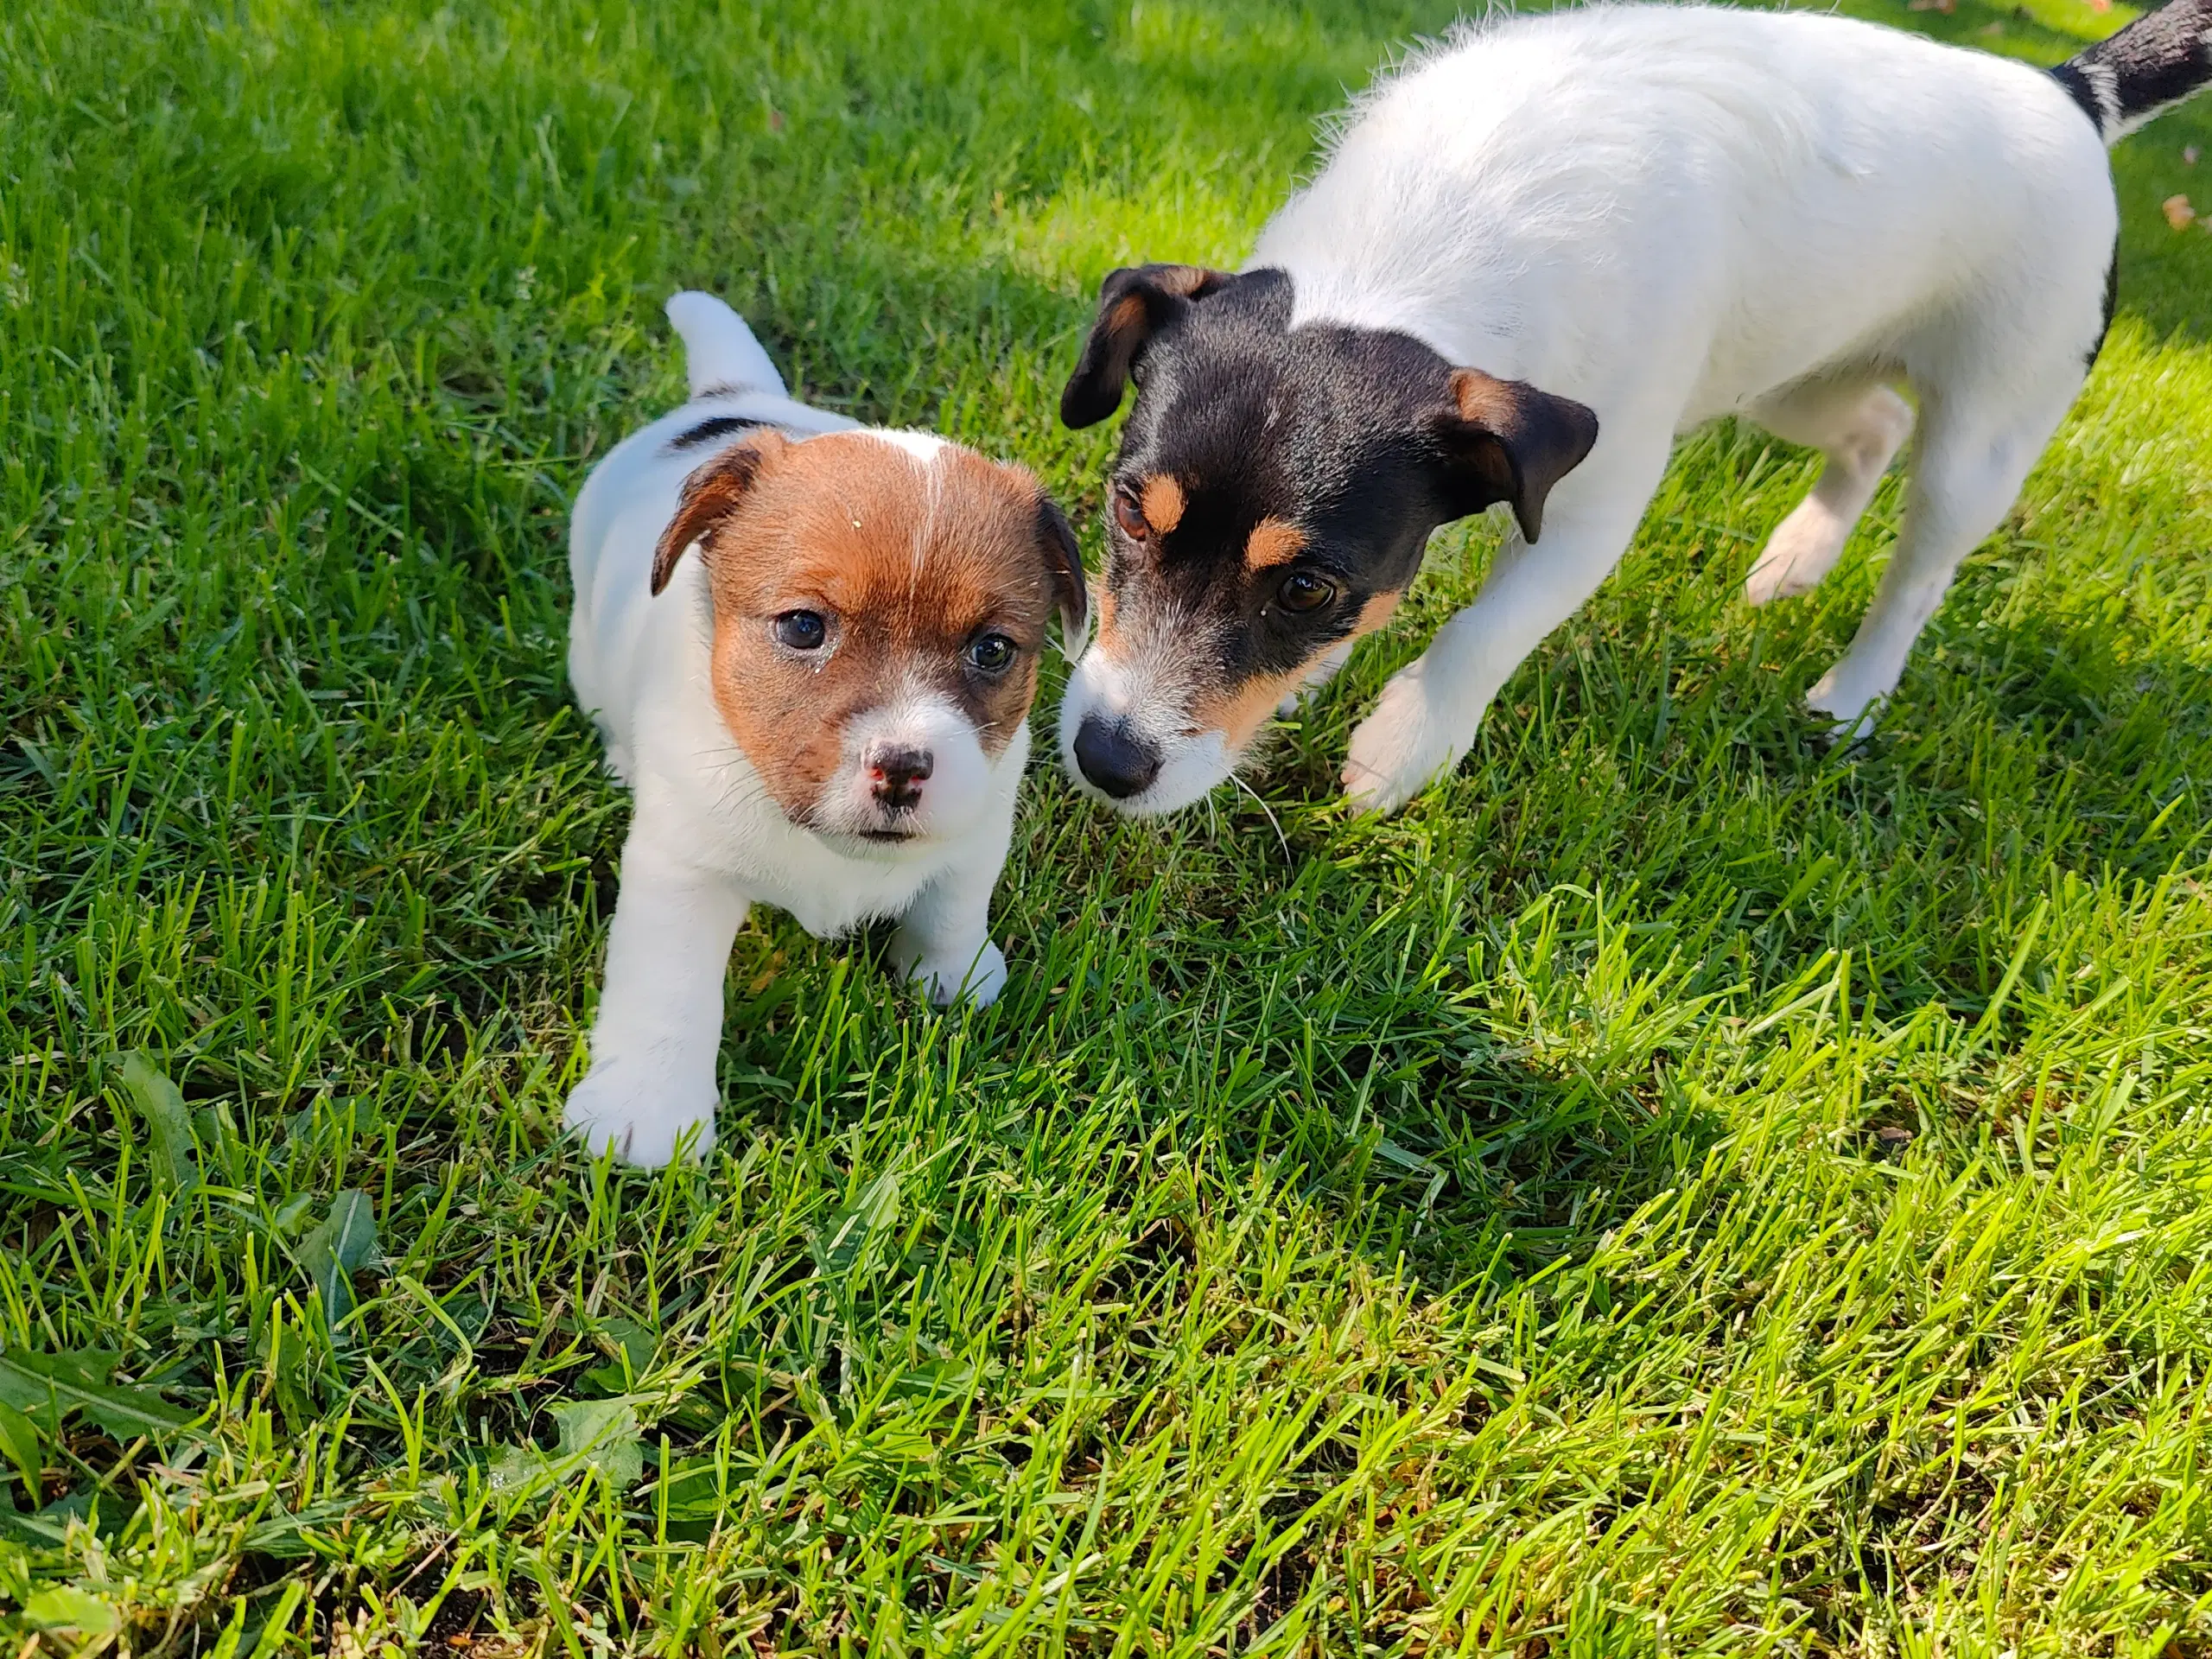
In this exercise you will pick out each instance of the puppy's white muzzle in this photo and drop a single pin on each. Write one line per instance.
(913, 770)
(1126, 743)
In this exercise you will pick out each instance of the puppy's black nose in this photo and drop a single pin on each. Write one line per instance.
(897, 776)
(1113, 757)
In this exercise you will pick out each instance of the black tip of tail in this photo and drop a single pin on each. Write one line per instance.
(2156, 61)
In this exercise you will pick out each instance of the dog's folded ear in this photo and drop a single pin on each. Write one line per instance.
(1065, 560)
(1133, 304)
(715, 490)
(1509, 441)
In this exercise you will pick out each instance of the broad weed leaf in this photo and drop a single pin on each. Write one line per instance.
(601, 1435)
(605, 1434)
(47, 1386)
(343, 1244)
(24, 1447)
(65, 1607)
(169, 1125)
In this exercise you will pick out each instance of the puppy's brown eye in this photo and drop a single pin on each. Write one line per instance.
(1304, 591)
(1128, 513)
(993, 653)
(801, 630)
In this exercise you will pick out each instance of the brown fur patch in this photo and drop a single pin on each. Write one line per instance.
(1237, 712)
(1272, 543)
(710, 495)
(1162, 501)
(1375, 613)
(1517, 440)
(1485, 399)
(906, 563)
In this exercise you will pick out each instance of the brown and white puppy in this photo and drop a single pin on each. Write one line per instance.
(824, 707)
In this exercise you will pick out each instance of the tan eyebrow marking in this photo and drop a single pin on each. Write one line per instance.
(1272, 543)
(1161, 500)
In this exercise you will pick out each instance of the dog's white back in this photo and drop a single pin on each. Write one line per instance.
(1675, 213)
(1675, 208)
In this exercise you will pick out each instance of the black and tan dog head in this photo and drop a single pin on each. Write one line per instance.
(1274, 491)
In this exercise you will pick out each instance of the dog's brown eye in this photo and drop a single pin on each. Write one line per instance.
(1304, 591)
(993, 653)
(801, 630)
(1128, 513)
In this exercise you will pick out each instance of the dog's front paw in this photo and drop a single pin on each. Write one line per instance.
(640, 1117)
(1401, 748)
(1802, 549)
(1853, 710)
(946, 980)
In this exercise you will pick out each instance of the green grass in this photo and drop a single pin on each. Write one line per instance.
(1674, 1190)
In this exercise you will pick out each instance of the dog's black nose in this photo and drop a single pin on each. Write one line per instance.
(1113, 758)
(897, 776)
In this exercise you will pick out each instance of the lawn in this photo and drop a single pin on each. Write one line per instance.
(1674, 1190)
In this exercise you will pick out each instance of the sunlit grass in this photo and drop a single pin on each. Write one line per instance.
(1673, 1190)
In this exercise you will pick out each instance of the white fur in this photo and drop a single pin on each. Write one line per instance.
(959, 787)
(1119, 688)
(1672, 214)
(923, 446)
(706, 840)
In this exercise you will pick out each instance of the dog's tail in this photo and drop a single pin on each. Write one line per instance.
(2147, 67)
(719, 353)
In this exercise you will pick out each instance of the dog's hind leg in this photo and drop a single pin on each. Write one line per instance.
(1858, 428)
(1975, 451)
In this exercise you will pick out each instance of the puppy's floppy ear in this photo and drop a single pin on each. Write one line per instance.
(1133, 304)
(1065, 560)
(1510, 443)
(713, 492)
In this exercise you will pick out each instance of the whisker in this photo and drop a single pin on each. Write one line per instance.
(1265, 807)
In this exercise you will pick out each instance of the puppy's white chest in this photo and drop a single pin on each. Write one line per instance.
(825, 893)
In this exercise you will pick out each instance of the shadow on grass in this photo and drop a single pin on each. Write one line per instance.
(1439, 1134)
(1484, 1141)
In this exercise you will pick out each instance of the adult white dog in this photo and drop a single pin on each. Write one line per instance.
(825, 708)
(1534, 258)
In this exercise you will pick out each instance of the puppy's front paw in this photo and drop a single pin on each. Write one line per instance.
(946, 980)
(1401, 748)
(637, 1115)
(1802, 549)
(1854, 710)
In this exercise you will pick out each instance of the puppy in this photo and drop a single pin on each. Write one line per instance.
(825, 709)
(1532, 260)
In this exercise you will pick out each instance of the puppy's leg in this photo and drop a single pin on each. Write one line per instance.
(1321, 673)
(1858, 428)
(943, 941)
(1975, 451)
(653, 1047)
(1429, 711)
